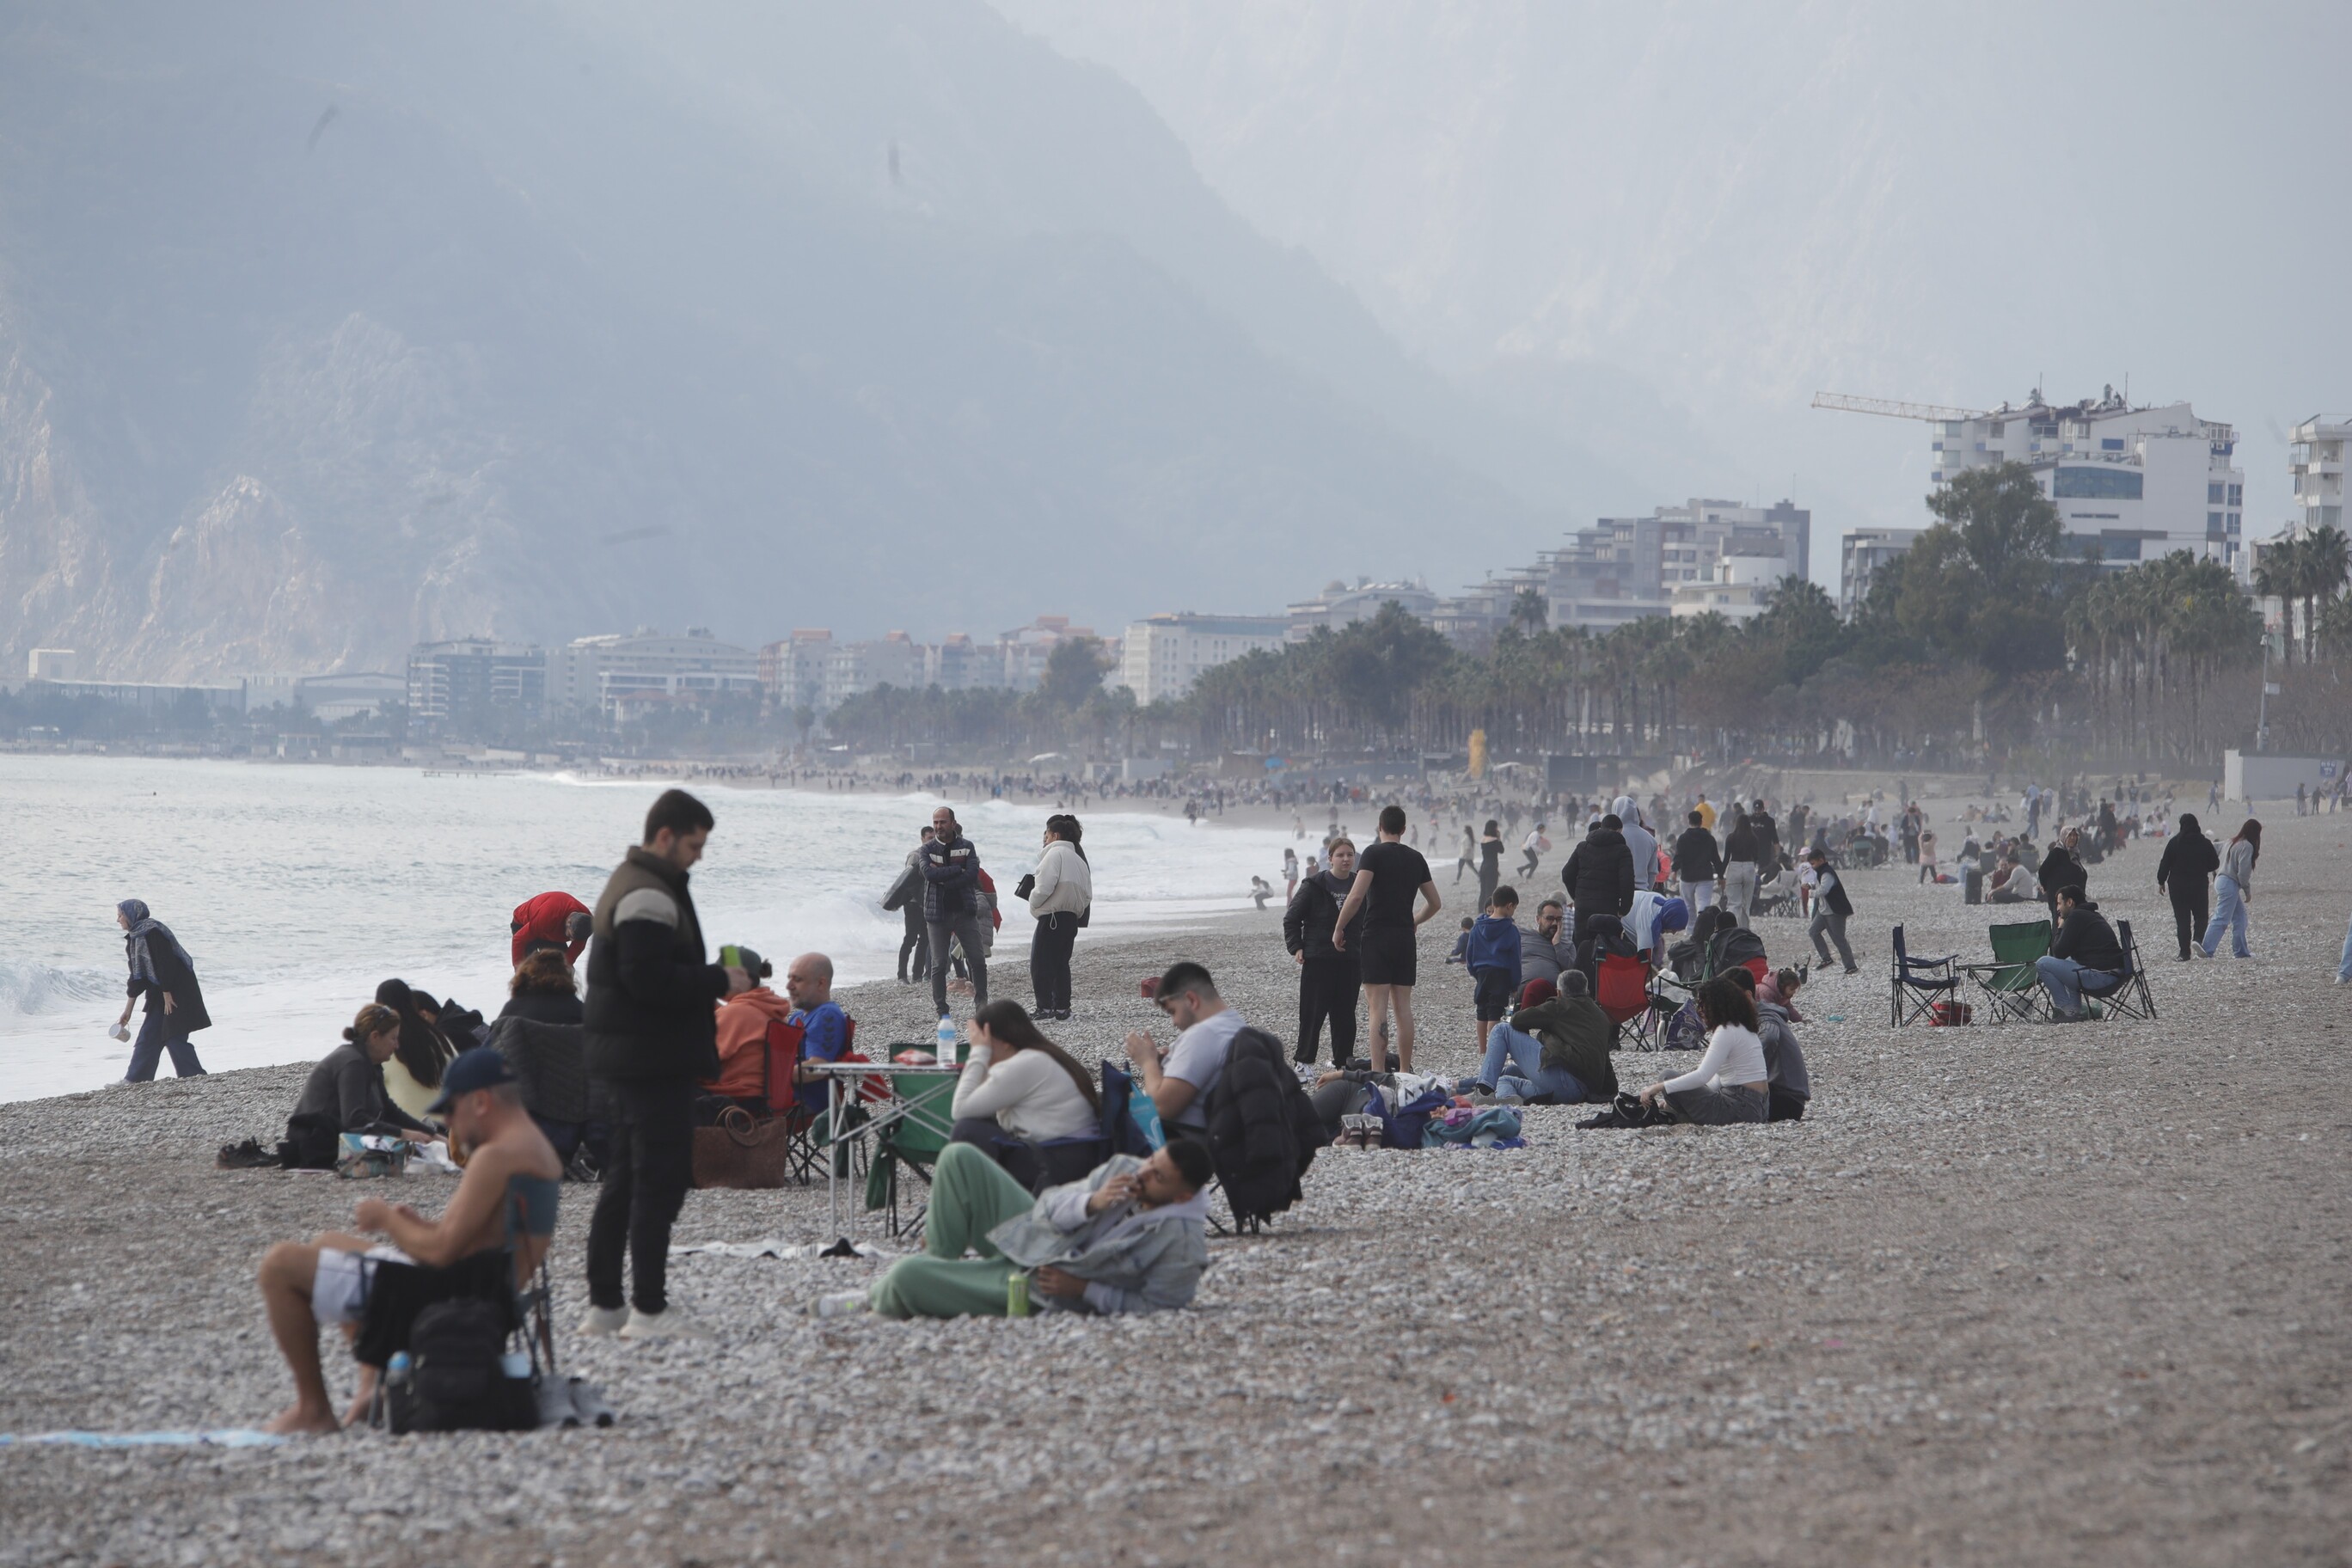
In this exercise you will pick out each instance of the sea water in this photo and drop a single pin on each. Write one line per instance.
(297, 889)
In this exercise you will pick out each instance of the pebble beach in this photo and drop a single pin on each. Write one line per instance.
(2007, 1294)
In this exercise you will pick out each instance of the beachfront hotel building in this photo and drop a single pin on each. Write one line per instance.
(2314, 462)
(1861, 553)
(622, 676)
(1340, 605)
(1625, 568)
(2130, 483)
(464, 681)
(1162, 656)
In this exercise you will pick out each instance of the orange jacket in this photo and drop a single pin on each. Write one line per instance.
(743, 1021)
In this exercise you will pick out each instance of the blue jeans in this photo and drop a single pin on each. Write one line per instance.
(1522, 1051)
(157, 1035)
(2064, 979)
(2344, 968)
(2229, 915)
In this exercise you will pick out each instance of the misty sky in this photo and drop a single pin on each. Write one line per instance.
(1742, 204)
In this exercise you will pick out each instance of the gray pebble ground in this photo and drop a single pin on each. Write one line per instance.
(2009, 1295)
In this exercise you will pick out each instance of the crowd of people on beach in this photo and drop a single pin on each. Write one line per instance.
(1032, 1199)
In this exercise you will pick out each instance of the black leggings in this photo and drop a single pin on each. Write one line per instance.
(2189, 914)
(1326, 989)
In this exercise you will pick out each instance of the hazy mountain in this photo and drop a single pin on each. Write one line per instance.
(1738, 205)
(327, 328)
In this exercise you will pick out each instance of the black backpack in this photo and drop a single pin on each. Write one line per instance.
(1261, 1129)
(457, 1379)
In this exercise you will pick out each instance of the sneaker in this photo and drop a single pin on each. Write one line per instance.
(602, 1322)
(669, 1324)
(840, 1304)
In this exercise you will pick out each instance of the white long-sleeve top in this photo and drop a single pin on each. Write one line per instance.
(1065, 883)
(1031, 1096)
(1734, 1052)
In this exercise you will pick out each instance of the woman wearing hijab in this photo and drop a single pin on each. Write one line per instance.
(412, 1077)
(162, 971)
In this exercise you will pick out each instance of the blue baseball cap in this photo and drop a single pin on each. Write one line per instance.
(481, 1068)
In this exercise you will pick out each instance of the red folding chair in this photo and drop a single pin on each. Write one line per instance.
(1623, 993)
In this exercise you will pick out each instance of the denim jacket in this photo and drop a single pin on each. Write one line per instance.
(1133, 1259)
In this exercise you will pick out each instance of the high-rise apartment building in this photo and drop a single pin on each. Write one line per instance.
(623, 676)
(2314, 461)
(459, 682)
(2130, 483)
(1861, 554)
(1163, 655)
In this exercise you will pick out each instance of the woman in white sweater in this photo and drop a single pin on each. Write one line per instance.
(1731, 1083)
(1020, 1090)
(1059, 892)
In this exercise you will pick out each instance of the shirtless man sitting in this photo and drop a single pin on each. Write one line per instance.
(327, 1281)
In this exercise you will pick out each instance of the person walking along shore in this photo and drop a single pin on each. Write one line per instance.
(951, 908)
(160, 971)
(2233, 893)
(2185, 872)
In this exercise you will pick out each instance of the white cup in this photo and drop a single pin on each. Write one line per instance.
(119, 1031)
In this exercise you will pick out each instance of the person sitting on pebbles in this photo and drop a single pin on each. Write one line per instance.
(1131, 1238)
(506, 1197)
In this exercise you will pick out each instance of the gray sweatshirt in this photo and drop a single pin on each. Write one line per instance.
(2238, 864)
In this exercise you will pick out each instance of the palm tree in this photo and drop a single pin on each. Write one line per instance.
(2278, 571)
(2320, 566)
(1529, 614)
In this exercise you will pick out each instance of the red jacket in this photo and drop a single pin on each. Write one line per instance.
(542, 919)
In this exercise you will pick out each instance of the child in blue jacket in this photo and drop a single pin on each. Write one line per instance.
(1493, 955)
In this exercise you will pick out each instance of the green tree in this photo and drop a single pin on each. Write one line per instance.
(1073, 673)
(1977, 585)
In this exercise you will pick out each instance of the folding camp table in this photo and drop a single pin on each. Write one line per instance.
(841, 1091)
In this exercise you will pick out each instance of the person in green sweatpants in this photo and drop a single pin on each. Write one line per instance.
(1130, 1238)
(971, 1195)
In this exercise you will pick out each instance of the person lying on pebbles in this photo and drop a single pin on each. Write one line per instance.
(1130, 1238)
(506, 1197)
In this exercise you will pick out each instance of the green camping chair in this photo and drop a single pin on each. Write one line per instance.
(2013, 989)
(912, 1129)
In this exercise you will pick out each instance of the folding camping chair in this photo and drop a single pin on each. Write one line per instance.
(912, 1129)
(2129, 995)
(1919, 984)
(2011, 985)
(1623, 993)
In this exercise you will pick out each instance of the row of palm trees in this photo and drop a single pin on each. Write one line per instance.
(2310, 569)
(2149, 643)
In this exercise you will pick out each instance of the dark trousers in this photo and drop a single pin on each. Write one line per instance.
(647, 1169)
(963, 930)
(1049, 960)
(1327, 990)
(916, 945)
(2189, 913)
(158, 1033)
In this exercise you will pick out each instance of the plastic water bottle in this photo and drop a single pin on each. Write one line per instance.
(947, 1051)
(395, 1376)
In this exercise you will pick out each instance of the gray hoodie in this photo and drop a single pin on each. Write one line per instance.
(1639, 839)
(1133, 1259)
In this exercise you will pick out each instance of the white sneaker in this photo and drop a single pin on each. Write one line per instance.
(840, 1304)
(602, 1322)
(669, 1324)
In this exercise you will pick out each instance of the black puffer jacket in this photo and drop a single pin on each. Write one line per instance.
(651, 1009)
(1696, 858)
(1313, 912)
(1598, 875)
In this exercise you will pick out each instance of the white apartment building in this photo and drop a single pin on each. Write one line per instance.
(1735, 592)
(1625, 568)
(620, 675)
(1340, 605)
(1163, 655)
(2130, 483)
(792, 669)
(2315, 460)
(852, 668)
(1861, 553)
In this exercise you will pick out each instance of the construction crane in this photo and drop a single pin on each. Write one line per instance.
(1891, 409)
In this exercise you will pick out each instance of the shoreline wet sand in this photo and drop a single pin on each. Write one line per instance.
(2007, 1294)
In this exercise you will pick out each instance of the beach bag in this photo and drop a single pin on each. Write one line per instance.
(1949, 1013)
(1131, 1120)
(460, 1378)
(1684, 1031)
(742, 1153)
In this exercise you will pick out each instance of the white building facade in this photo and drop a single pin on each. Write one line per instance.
(621, 676)
(1340, 605)
(1162, 656)
(2314, 461)
(1861, 553)
(2130, 483)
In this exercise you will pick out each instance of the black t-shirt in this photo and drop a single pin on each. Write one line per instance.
(1398, 872)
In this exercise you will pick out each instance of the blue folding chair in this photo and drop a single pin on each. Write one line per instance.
(1920, 984)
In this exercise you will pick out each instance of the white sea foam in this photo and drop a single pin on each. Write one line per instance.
(297, 889)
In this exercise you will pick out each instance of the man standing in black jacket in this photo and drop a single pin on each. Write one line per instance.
(1599, 877)
(652, 1034)
(951, 908)
(1328, 978)
(1698, 863)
